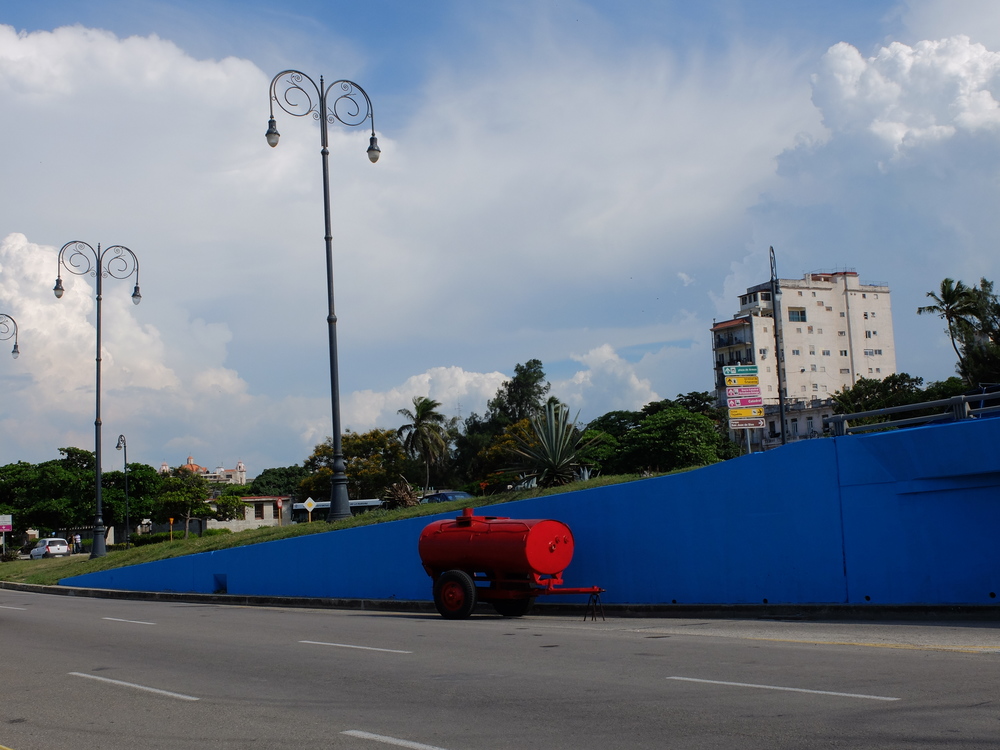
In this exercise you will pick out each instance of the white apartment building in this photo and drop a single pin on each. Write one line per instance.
(833, 330)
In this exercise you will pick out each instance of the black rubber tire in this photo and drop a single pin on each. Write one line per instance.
(454, 594)
(513, 607)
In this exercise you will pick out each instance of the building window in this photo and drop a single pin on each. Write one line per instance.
(812, 368)
(800, 294)
(866, 316)
(812, 351)
(275, 512)
(802, 388)
(809, 425)
(795, 352)
(843, 352)
(842, 315)
(878, 369)
(826, 352)
(798, 330)
(845, 371)
(819, 303)
(815, 386)
(819, 331)
(797, 315)
(869, 352)
(824, 387)
(765, 296)
(878, 352)
(814, 294)
(258, 511)
(841, 333)
(829, 309)
(868, 334)
(809, 329)
(864, 296)
(873, 314)
(870, 371)
(874, 333)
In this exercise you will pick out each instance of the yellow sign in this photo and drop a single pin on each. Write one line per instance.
(738, 413)
(742, 380)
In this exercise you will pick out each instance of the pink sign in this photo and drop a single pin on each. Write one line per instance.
(736, 403)
(741, 391)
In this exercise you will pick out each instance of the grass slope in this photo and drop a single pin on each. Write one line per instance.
(50, 572)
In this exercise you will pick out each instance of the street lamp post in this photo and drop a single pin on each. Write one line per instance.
(8, 329)
(123, 446)
(118, 262)
(347, 103)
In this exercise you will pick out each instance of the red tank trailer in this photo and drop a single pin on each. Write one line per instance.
(504, 561)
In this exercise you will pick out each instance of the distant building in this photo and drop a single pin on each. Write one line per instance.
(219, 476)
(833, 330)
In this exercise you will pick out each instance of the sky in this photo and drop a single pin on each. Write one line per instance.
(588, 183)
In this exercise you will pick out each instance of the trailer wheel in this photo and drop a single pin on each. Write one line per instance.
(513, 607)
(455, 594)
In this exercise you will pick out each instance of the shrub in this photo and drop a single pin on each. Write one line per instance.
(216, 532)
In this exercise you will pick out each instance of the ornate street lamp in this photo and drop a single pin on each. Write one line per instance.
(118, 262)
(123, 446)
(347, 103)
(8, 329)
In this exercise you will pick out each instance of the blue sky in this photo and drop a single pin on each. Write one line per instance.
(586, 183)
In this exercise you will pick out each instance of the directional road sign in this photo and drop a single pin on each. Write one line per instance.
(746, 424)
(742, 380)
(736, 403)
(741, 392)
(739, 370)
(754, 412)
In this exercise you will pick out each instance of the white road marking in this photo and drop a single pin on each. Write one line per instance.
(134, 622)
(363, 648)
(3, 607)
(789, 689)
(390, 740)
(167, 693)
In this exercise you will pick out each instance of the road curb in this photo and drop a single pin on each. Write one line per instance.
(865, 612)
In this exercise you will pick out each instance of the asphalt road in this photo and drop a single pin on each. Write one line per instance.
(112, 674)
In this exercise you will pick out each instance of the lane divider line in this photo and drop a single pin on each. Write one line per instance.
(179, 696)
(788, 689)
(134, 622)
(363, 648)
(22, 609)
(389, 740)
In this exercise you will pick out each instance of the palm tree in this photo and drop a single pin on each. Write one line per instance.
(956, 305)
(425, 435)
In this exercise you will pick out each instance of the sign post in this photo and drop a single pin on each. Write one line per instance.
(746, 405)
(310, 504)
(6, 524)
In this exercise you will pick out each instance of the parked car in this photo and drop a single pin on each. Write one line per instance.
(50, 547)
(444, 496)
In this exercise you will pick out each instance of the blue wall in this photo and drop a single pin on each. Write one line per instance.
(904, 517)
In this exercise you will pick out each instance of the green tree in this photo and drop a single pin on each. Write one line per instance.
(375, 460)
(144, 485)
(521, 397)
(279, 481)
(229, 507)
(425, 435)
(183, 496)
(956, 305)
(671, 439)
(898, 389)
(553, 455)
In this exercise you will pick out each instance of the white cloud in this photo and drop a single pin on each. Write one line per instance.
(907, 96)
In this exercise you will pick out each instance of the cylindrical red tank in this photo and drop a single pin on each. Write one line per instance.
(496, 546)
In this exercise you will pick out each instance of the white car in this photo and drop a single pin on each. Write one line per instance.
(50, 547)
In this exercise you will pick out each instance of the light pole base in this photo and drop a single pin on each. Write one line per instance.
(98, 548)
